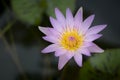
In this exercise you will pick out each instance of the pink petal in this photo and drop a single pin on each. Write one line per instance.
(95, 29)
(87, 23)
(49, 31)
(62, 61)
(86, 52)
(59, 52)
(78, 59)
(52, 39)
(56, 24)
(78, 18)
(50, 48)
(54, 33)
(95, 48)
(70, 54)
(45, 30)
(69, 18)
(60, 17)
(86, 44)
(92, 37)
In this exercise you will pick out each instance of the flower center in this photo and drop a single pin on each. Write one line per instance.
(71, 40)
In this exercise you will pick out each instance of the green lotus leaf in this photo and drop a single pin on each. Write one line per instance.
(104, 66)
(28, 11)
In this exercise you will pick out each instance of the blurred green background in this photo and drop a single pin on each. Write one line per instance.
(21, 42)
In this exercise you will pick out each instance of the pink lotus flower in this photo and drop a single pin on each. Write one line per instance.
(71, 36)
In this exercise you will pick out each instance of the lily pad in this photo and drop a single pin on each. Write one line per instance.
(28, 11)
(104, 66)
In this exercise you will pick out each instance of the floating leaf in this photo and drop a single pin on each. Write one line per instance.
(61, 4)
(28, 10)
(104, 66)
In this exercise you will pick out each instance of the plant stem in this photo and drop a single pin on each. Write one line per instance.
(2, 32)
(14, 56)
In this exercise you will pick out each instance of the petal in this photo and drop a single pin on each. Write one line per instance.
(70, 54)
(60, 52)
(45, 30)
(95, 29)
(95, 48)
(69, 18)
(49, 31)
(52, 39)
(87, 23)
(50, 48)
(93, 37)
(54, 32)
(60, 17)
(56, 24)
(86, 44)
(62, 61)
(78, 59)
(86, 52)
(78, 18)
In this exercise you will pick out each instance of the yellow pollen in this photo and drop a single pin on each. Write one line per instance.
(71, 40)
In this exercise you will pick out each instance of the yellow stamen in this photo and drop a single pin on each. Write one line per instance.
(71, 40)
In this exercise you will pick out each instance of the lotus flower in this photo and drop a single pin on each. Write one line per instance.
(71, 36)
